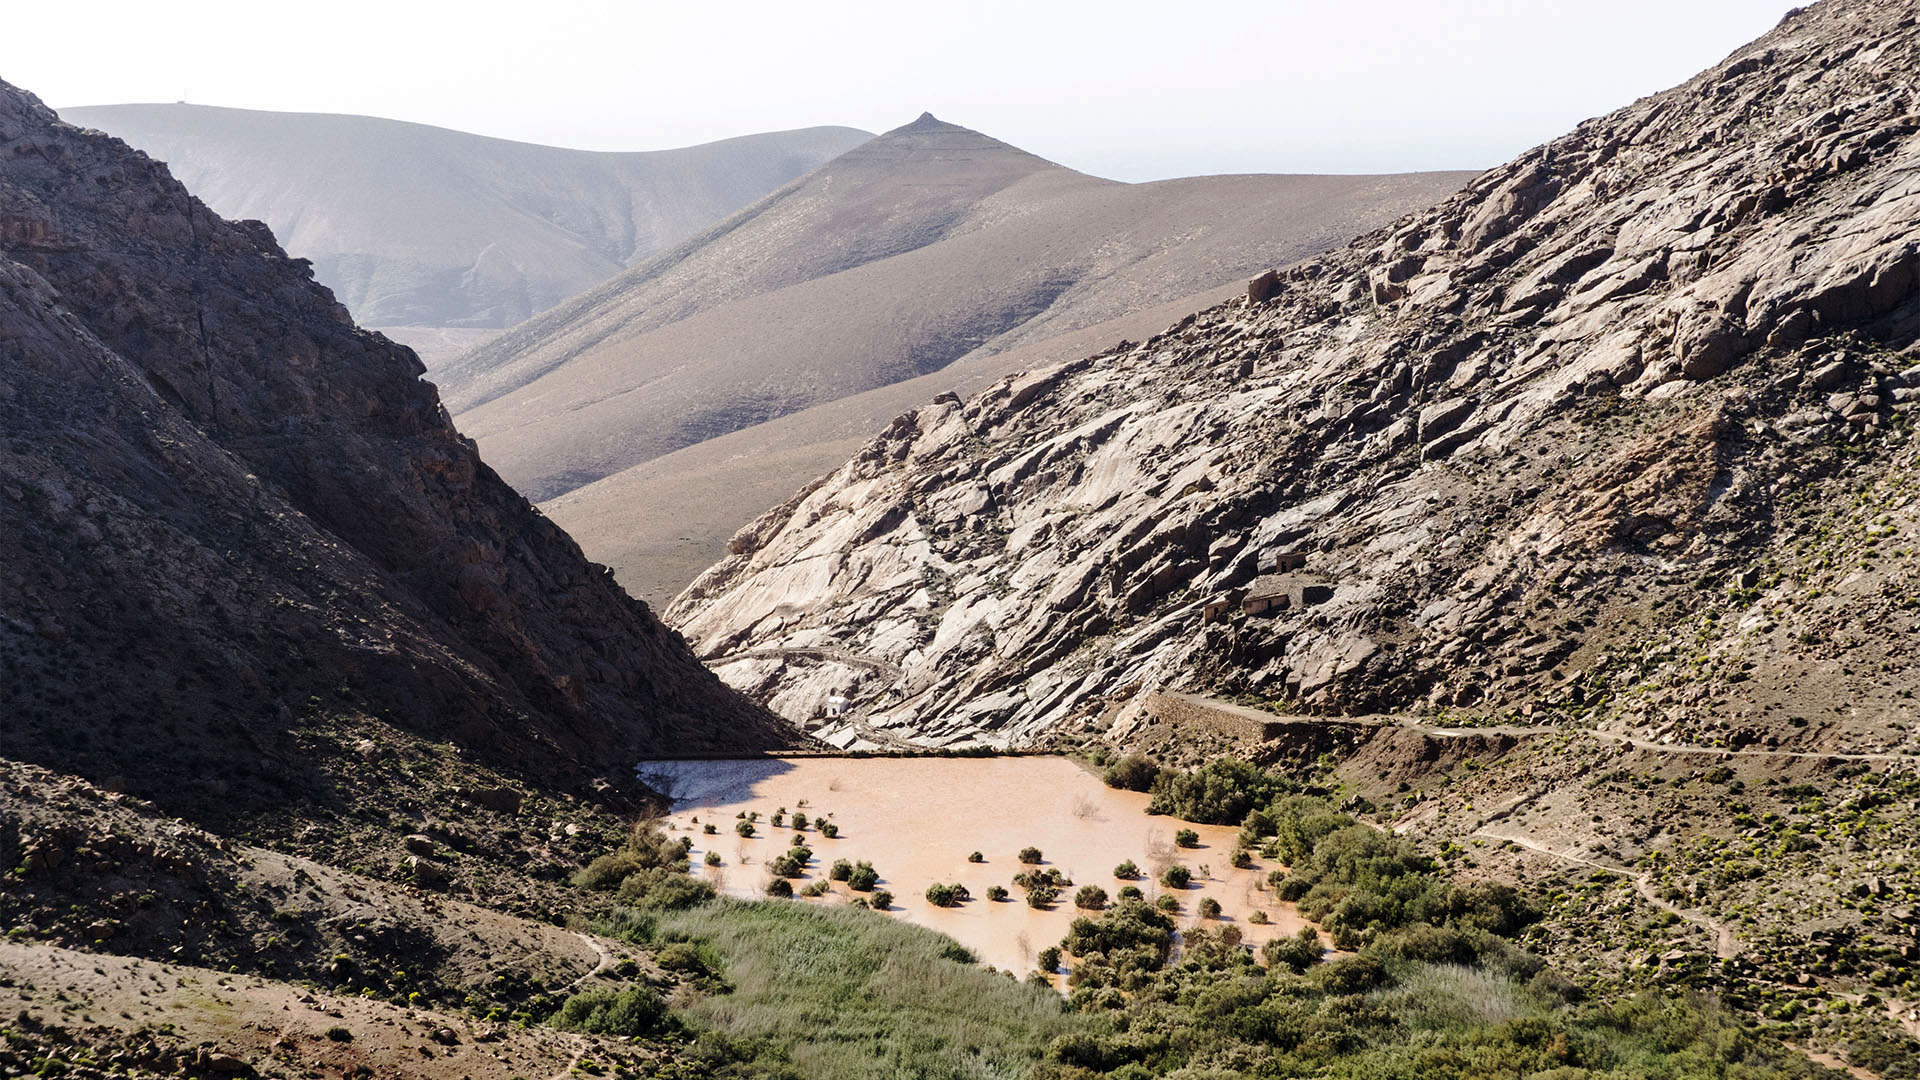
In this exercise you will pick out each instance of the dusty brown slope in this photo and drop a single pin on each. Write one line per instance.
(413, 225)
(712, 488)
(927, 245)
(1620, 435)
(226, 514)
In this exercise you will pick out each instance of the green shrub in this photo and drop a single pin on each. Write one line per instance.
(661, 889)
(1030, 856)
(713, 858)
(1132, 773)
(1222, 792)
(1186, 838)
(863, 876)
(1129, 892)
(630, 1011)
(996, 893)
(947, 895)
(1243, 859)
(1049, 959)
(976, 857)
(881, 900)
(1167, 902)
(1090, 898)
(1258, 918)
(1176, 876)
(1209, 908)
(710, 829)
(842, 869)
(1127, 871)
(829, 830)
(799, 820)
(336, 1033)
(1297, 953)
(744, 828)
(781, 888)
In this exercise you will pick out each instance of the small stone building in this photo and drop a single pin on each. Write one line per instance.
(1282, 592)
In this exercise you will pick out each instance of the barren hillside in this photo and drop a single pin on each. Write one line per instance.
(418, 226)
(926, 246)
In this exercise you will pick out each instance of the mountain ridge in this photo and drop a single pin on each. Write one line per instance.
(418, 225)
(1576, 387)
(211, 472)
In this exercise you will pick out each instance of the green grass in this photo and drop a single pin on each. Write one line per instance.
(854, 994)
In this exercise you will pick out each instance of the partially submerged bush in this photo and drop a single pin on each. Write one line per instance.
(1208, 907)
(1176, 876)
(881, 900)
(781, 888)
(1133, 773)
(1090, 898)
(996, 892)
(976, 857)
(947, 895)
(1127, 871)
(863, 876)
(744, 828)
(1186, 838)
(1030, 855)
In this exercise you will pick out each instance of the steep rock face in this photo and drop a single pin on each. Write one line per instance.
(1572, 440)
(227, 514)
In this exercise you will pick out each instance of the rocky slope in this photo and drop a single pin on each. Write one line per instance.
(229, 518)
(1621, 433)
(913, 251)
(412, 225)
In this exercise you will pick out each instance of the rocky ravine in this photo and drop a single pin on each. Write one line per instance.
(226, 514)
(1622, 431)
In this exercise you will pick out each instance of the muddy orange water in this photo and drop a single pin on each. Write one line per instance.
(917, 819)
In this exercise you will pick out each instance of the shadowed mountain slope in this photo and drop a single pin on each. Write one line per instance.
(1621, 435)
(928, 247)
(413, 225)
(227, 516)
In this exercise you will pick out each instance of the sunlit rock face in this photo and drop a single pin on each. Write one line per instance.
(1534, 444)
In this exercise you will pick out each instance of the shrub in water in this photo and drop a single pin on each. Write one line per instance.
(1130, 892)
(947, 895)
(1127, 871)
(976, 857)
(842, 869)
(710, 829)
(996, 892)
(1049, 960)
(1176, 876)
(1133, 773)
(713, 858)
(1030, 855)
(780, 887)
(829, 830)
(1258, 918)
(881, 900)
(1186, 838)
(863, 876)
(1167, 903)
(1243, 859)
(1090, 897)
(1209, 908)
(744, 828)
(799, 820)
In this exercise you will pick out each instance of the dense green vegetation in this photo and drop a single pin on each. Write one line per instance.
(1431, 983)
(1433, 988)
(839, 992)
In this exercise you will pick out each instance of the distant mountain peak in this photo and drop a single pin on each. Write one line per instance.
(930, 124)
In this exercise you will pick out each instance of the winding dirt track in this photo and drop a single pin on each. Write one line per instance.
(1726, 945)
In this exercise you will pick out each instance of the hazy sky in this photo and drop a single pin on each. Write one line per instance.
(1129, 90)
